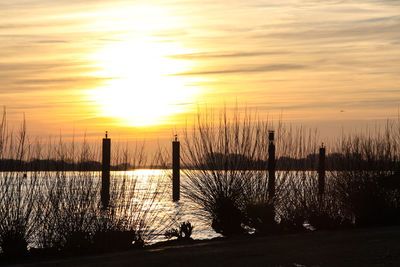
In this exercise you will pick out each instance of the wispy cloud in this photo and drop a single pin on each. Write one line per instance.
(244, 69)
(305, 56)
(205, 55)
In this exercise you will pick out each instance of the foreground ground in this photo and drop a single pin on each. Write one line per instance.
(360, 247)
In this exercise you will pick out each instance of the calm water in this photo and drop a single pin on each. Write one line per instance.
(178, 212)
(140, 187)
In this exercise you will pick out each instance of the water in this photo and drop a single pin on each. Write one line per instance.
(145, 190)
(177, 212)
(146, 194)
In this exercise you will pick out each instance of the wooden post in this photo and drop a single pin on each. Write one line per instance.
(321, 171)
(105, 172)
(271, 166)
(176, 169)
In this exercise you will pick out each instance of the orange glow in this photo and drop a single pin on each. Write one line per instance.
(141, 90)
(141, 68)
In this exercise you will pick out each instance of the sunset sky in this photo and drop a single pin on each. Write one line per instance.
(142, 68)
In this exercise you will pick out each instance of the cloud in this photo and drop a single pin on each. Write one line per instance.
(182, 104)
(172, 33)
(205, 55)
(43, 66)
(110, 40)
(323, 54)
(379, 19)
(62, 80)
(337, 31)
(245, 69)
(347, 104)
(51, 41)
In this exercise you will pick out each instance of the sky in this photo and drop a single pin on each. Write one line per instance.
(143, 68)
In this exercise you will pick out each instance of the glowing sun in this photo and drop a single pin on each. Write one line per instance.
(141, 90)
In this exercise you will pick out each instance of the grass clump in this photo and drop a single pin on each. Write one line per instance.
(57, 209)
(222, 159)
(184, 232)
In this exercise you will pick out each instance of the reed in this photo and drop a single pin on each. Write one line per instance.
(55, 210)
(225, 161)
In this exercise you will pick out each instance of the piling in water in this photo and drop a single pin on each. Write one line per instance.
(321, 171)
(176, 170)
(105, 172)
(271, 166)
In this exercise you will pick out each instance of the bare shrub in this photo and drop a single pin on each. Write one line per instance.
(55, 205)
(183, 232)
(20, 212)
(367, 182)
(224, 159)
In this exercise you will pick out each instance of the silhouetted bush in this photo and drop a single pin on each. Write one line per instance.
(184, 232)
(261, 217)
(365, 200)
(227, 218)
(172, 233)
(77, 241)
(326, 213)
(60, 211)
(227, 182)
(226, 161)
(76, 220)
(13, 241)
(367, 185)
(222, 159)
(113, 240)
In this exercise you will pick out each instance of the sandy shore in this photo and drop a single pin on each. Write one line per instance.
(360, 247)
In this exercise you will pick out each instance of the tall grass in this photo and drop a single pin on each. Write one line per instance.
(226, 156)
(368, 180)
(20, 211)
(224, 159)
(59, 210)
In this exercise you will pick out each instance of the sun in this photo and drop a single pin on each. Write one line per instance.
(140, 88)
